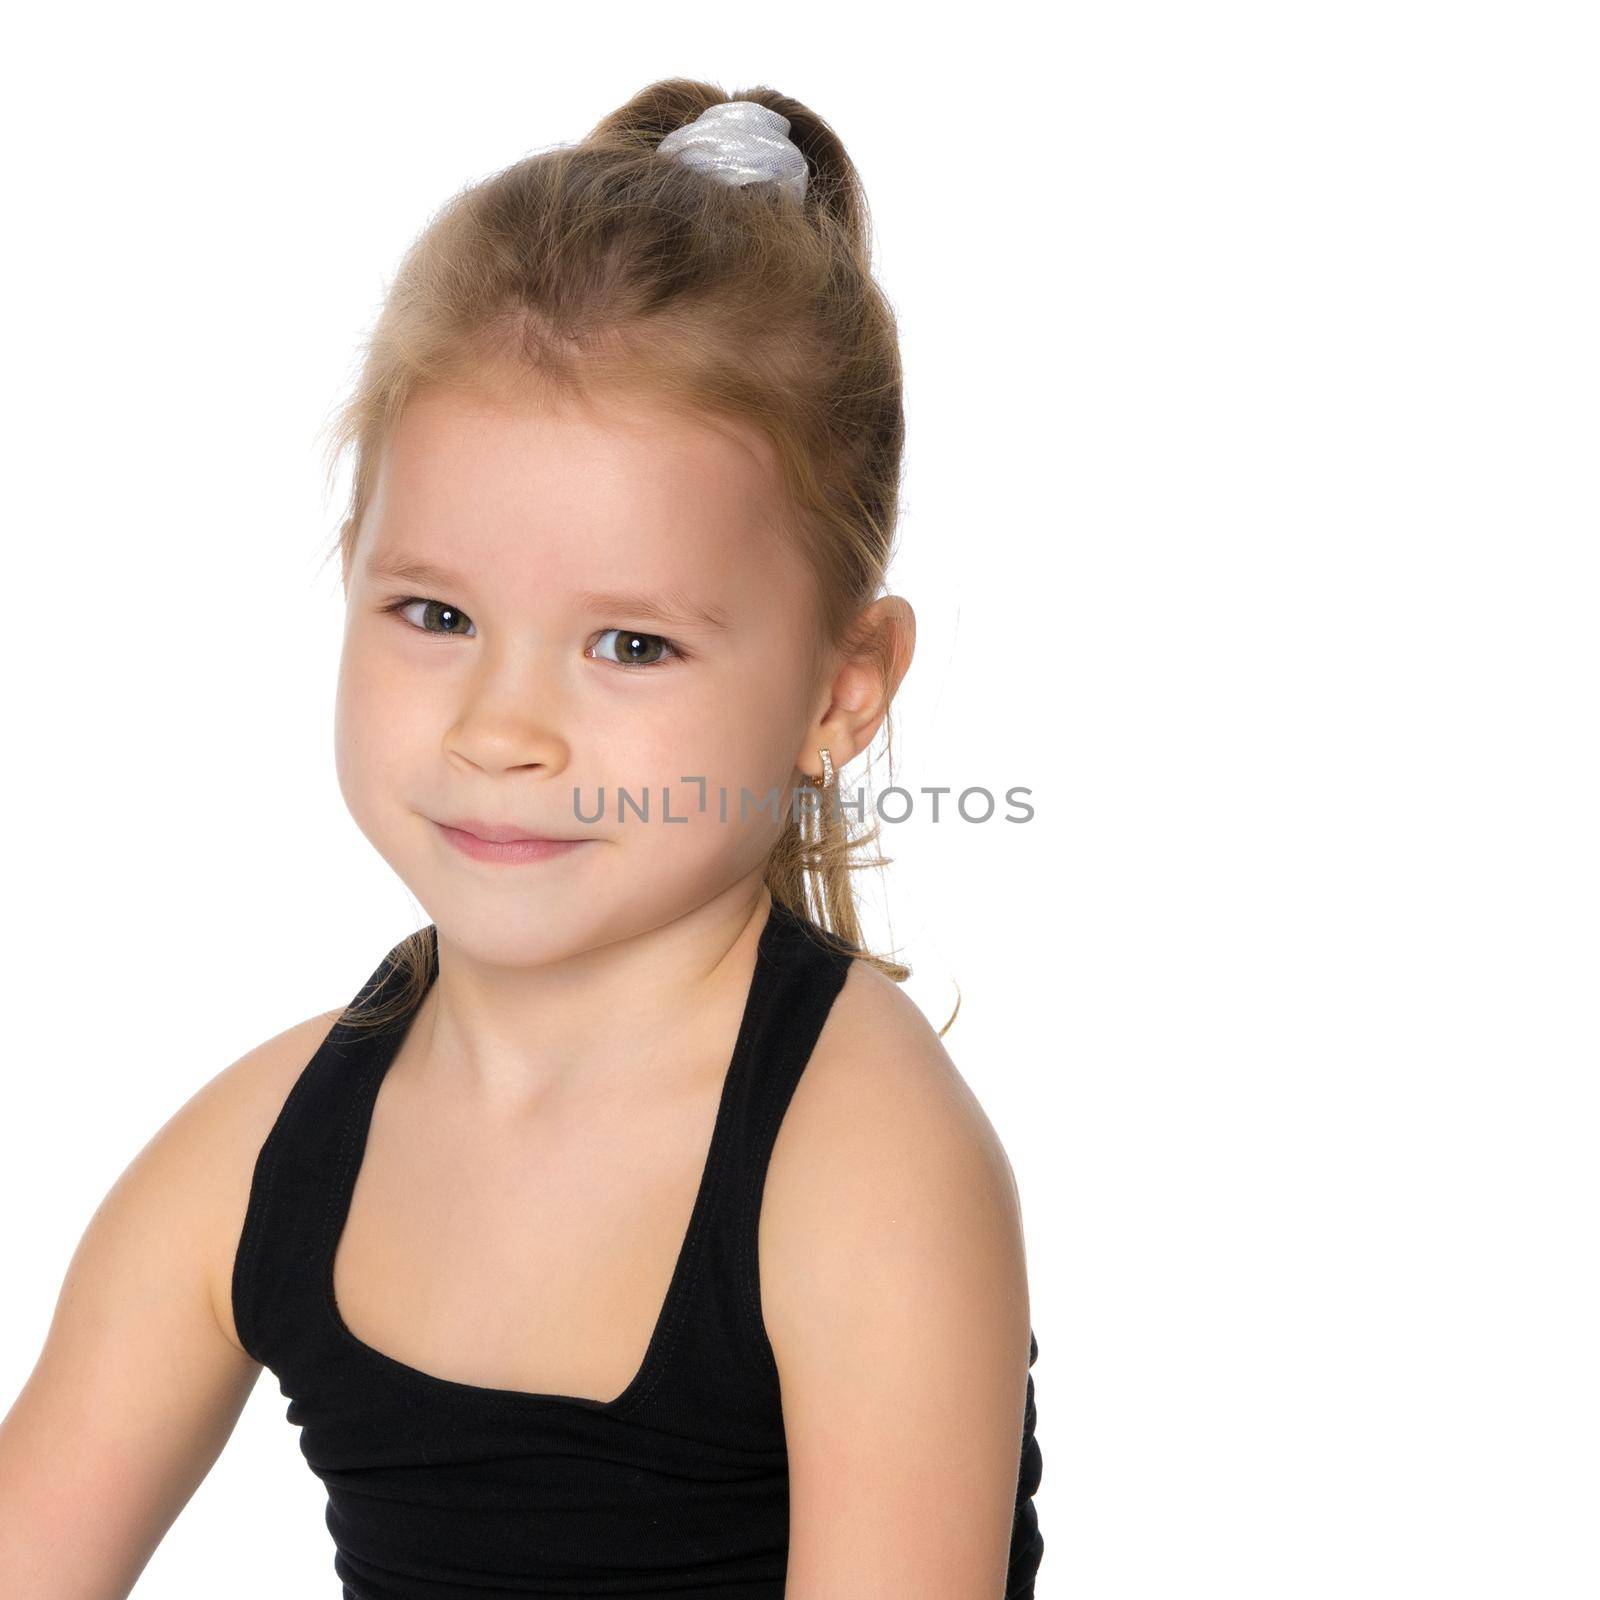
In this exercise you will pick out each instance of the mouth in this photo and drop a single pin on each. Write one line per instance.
(506, 833)
(485, 841)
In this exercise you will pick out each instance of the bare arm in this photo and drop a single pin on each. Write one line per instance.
(141, 1378)
(894, 1292)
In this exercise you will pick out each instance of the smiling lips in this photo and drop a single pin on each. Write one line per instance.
(502, 833)
(487, 841)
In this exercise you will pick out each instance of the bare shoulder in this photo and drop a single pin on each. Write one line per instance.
(883, 1133)
(218, 1133)
(881, 1082)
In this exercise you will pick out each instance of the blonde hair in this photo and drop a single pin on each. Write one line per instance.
(601, 269)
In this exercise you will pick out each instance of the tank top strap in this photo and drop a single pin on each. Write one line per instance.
(719, 1371)
(813, 967)
(284, 1248)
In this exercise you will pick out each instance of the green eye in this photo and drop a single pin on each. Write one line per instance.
(437, 610)
(637, 649)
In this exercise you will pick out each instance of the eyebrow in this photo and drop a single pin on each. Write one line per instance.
(671, 606)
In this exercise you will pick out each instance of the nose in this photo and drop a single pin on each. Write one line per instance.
(511, 717)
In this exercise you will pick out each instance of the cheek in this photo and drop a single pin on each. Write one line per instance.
(725, 734)
(369, 725)
(741, 748)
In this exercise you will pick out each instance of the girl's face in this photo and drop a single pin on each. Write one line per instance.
(593, 604)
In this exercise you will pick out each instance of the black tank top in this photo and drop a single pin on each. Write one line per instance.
(439, 1490)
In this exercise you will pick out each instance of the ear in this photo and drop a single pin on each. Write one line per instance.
(861, 685)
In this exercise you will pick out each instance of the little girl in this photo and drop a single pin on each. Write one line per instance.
(630, 1232)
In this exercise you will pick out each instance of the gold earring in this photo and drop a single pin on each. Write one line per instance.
(827, 770)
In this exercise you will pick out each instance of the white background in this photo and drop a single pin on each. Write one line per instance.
(1249, 520)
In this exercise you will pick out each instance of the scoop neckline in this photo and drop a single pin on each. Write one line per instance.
(386, 1042)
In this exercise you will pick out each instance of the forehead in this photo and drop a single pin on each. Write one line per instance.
(606, 489)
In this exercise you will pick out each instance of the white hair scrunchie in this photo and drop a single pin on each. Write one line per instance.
(739, 142)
